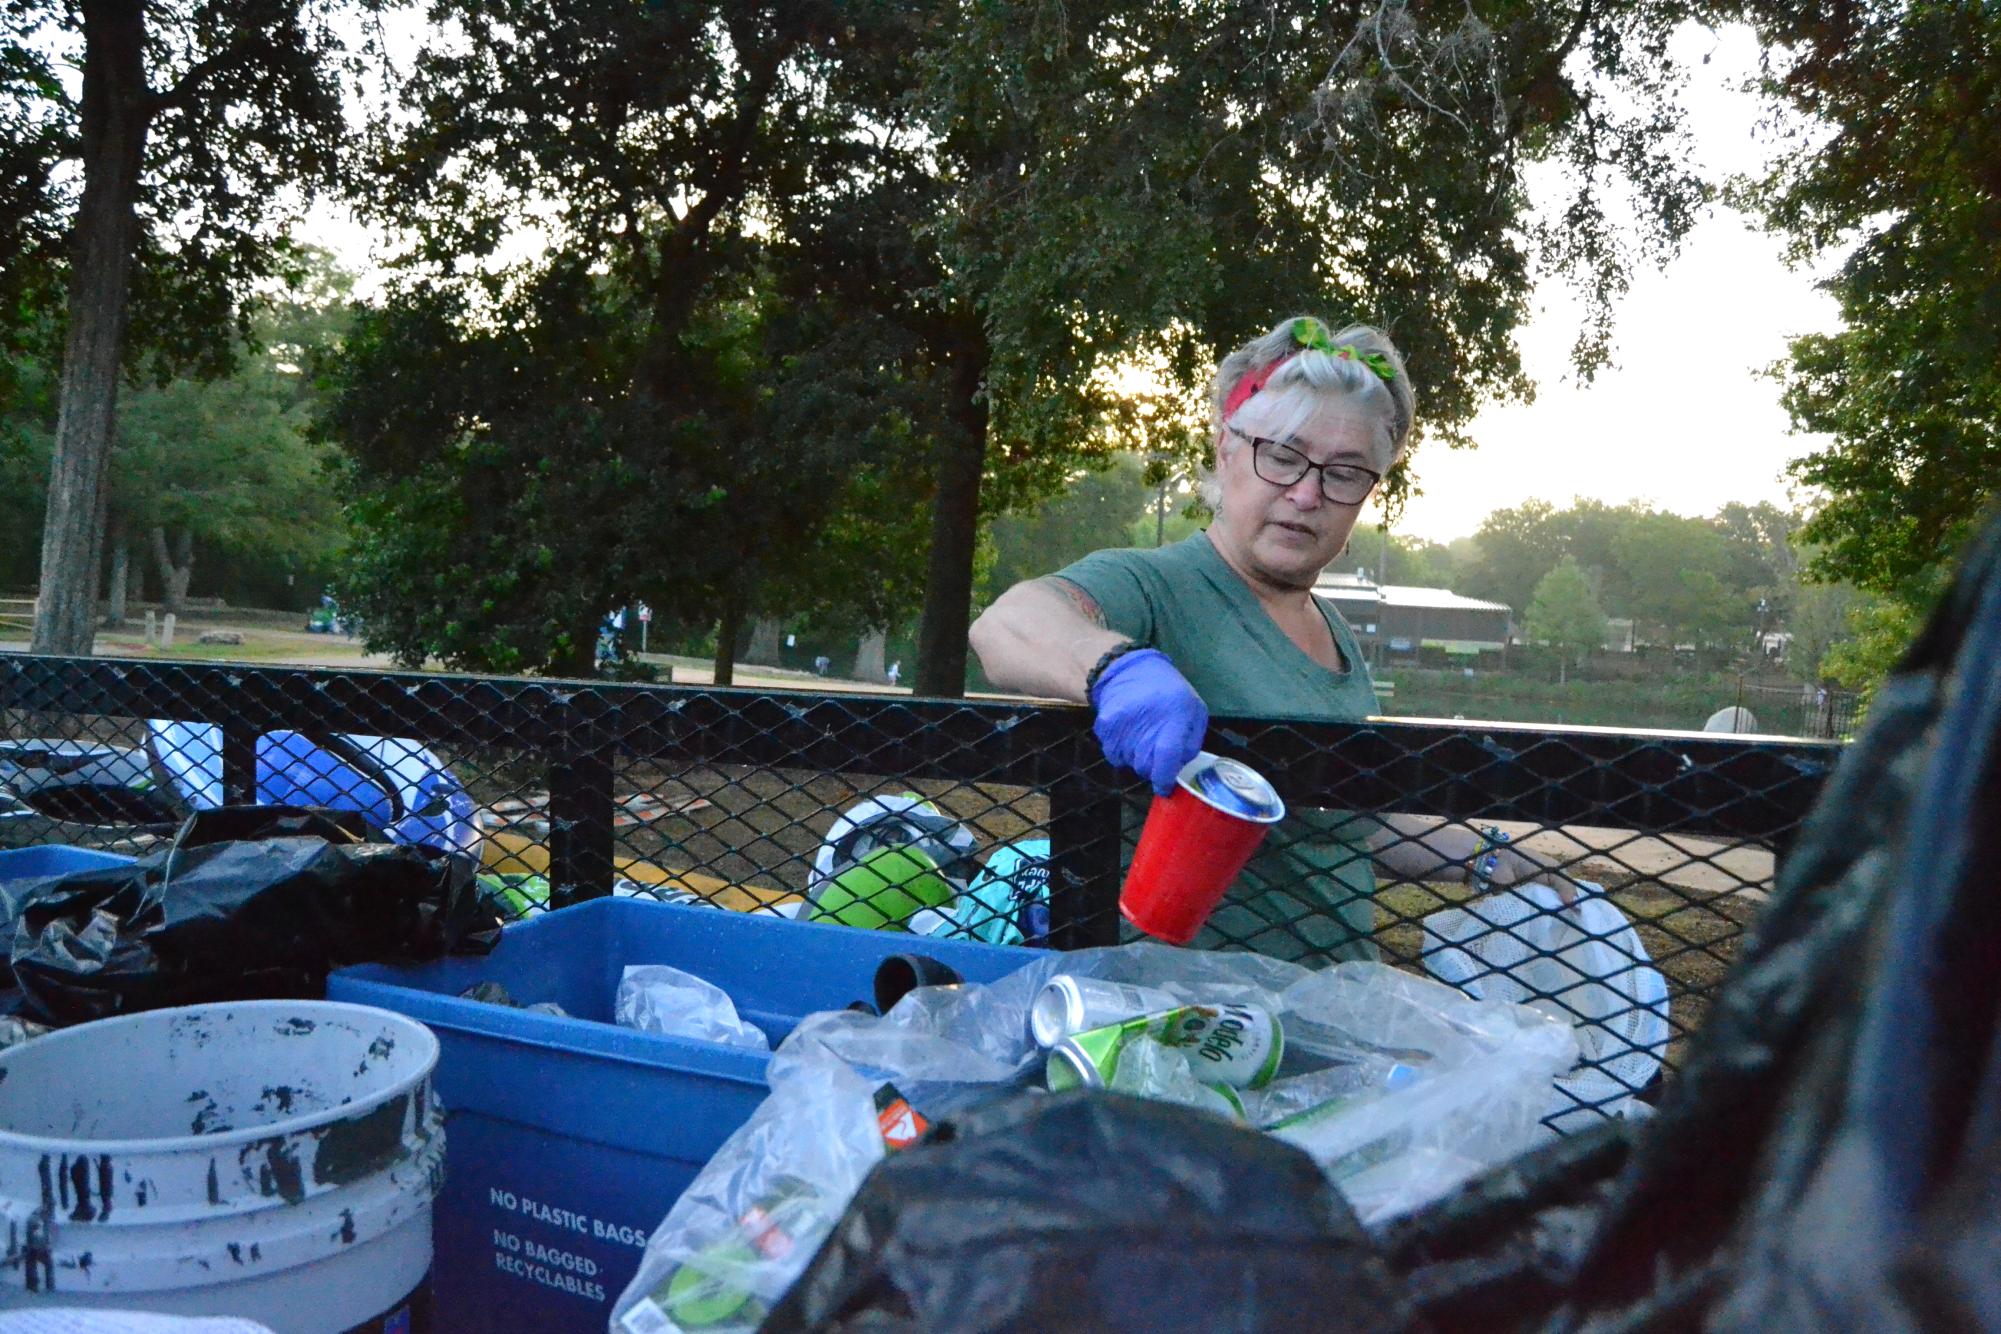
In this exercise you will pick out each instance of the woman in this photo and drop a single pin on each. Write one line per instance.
(1306, 424)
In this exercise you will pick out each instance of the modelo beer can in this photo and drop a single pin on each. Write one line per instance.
(1069, 1004)
(1195, 843)
(1090, 1060)
(1235, 1045)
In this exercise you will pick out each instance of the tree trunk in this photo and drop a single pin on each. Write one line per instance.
(955, 521)
(764, 635)
(113, 145)
(121, 574)
(176, 568)
(869, 657)
(726, 634)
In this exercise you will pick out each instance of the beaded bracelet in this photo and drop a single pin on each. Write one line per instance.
(1488, 859)
(1111, 655)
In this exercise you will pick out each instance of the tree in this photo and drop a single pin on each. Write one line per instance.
(191, 121)
(1517, 547)
(1563, 614)
(1822, 616)
(1136, 178)
(692, 357)
(1096, 511)
(1676, 570)
(220, 463)
(1035, 194)
(507, 490)
(1899, 112)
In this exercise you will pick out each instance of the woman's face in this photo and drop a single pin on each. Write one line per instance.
(1285, 535)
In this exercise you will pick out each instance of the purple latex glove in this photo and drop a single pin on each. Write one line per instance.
(1150, 720)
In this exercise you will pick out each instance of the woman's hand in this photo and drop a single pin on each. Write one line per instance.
(1150, 720)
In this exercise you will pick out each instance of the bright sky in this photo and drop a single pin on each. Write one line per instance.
(1684, 418)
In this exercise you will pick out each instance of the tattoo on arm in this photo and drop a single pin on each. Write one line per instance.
(1085, 604)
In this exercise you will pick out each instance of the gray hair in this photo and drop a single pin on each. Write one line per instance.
(1314, 375)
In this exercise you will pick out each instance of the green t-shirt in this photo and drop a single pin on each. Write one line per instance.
(1306, 893)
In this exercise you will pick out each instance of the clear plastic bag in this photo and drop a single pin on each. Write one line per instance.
(1448, 1086)
(655, 998)
(1583, 962)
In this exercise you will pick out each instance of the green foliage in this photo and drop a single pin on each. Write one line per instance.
(1893, 160)
(1100, 509)
(1675, 571)
(225, 461)
(1409, 560)
(1564, 615)
(1821, 617)
(1517, 547)
(1880, 630)
(507, 490)
(243, 106)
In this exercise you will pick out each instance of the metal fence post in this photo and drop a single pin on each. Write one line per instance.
(580, 828)
(239, 764)
(1084, 864)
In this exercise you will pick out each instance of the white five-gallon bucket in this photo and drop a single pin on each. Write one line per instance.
(274, 1160)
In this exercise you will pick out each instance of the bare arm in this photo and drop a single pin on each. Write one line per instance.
(1042, 637)
(1422, 847)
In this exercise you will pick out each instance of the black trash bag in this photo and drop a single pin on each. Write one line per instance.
(230, 824)
(1095, 1211)
(1829, 1156)
(232, 920)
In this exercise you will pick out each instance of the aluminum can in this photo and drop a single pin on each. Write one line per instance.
(1090, 1060)
(1237, 1045)
(1233, 788)
(1068, 1004)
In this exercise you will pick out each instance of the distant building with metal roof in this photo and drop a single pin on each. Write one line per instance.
(1404, 618)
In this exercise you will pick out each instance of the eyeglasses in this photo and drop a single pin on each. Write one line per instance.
(1282, 465)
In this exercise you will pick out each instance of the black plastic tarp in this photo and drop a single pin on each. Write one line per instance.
(249, 902)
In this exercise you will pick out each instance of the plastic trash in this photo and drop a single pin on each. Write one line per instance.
(1008, 901)
(889, 858)
(15, 1030)
(1826, 1157)
(1584, 963)
(1096, 1212)
(656, 998)
(492, 993)
(397, 785)
(233, 918)
(1487, 1068)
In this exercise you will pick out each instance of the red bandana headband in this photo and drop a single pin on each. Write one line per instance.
(1308, 333)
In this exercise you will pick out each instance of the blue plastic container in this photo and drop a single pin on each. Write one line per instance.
(54, 859)
(568, 1140)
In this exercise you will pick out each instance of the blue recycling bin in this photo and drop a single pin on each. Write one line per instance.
(568, 1139)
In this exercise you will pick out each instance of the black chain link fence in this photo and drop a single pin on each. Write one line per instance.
(996, 821)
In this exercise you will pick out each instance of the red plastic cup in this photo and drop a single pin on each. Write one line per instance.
(1194, 845)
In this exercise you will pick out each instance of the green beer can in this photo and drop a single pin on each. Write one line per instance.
(1235, 1045)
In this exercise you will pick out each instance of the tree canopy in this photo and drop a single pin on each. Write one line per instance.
(1893, 154)
(1563, 614)
(1028, 200)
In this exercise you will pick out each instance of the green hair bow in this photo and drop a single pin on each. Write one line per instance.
(1309, 332)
